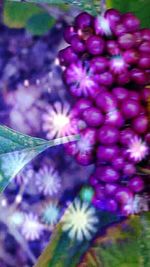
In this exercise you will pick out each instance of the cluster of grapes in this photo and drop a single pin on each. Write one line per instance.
(107, 67)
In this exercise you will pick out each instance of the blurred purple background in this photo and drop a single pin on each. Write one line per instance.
(30, 86)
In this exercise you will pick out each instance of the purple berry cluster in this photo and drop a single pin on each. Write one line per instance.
(107, 69)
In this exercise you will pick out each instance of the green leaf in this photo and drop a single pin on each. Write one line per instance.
(56, 254)
(16, 15)
(92, 7)
(50, 2)
(40, 23)
(126, 244)
(17, 149)
(141, 8)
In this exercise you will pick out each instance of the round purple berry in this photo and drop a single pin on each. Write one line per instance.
(145, 34)
(114, 118)
(118, 163)
(69, 33)
(83, 20)
(93, 117)
(129, 169)
(123, 78)
(108, 135)
(131, 22)
(138, 76)
(77, 45)
(111, 205)
(120, 93)
(140, 124)
(95, 45)
(113, 16)
(106, 102)
(93, 181)
(131, 56)
(123, 195)
(84, 158)
(67, 56)
(119, 29)
(112, 48)
(107, 154)
(98, 64)
(136, 184)
(130, 109)
(144, 61)
(145, 47)
(109, 175)
(110, 189)
(126, 136)
(126, 41)
(105, 79)
(82, 104)
(100, 191)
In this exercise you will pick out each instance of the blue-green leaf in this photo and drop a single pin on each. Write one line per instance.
(17, 149)
(40, 24)
(16, 15)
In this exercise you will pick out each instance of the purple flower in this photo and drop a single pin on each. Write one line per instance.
(80, 80)
(48, 181)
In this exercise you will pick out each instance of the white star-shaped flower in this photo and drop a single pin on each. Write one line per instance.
(80, 221)
(137, 149)
(48, 181)
(136, 205)
(57, 121)
(102, 26)
(32, 228)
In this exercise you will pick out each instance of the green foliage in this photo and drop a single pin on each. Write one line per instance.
(141, 8)
(21, 15)
(124, 245)
(40, 23)
(16, 15)
(144, 241)
(120, 255)
(91, 6)
(30, 15)
(16, 150)
(27, 15)
(64, 252)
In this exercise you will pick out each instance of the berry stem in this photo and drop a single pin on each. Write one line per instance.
(144, 170)
(148, 109)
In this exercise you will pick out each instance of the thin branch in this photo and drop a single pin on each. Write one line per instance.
(53, 11)
(23, 243)
(57, 13)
